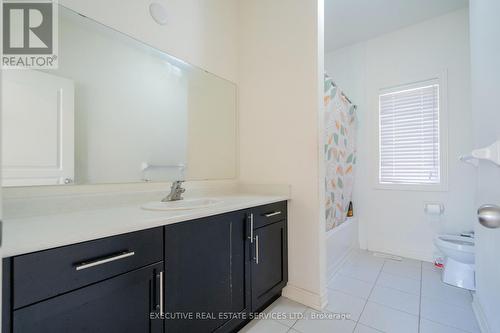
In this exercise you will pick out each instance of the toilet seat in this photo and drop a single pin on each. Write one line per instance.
(455, 242)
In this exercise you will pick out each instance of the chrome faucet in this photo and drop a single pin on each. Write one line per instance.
(175, 192)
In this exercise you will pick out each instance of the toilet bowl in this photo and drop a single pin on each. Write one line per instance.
(459, 268)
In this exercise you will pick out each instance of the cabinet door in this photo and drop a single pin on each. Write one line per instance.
(207, 273)
(269, 264)
(121, 304)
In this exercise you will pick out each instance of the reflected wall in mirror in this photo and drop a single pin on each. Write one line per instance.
(115, 111)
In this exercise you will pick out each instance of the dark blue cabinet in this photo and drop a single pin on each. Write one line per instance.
(203, 275)
(269, 253)
(234, 264)
(207, 271)
(269, 267)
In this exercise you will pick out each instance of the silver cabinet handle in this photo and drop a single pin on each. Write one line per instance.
(251, 228)
(161, 293)
(272, 214)
(85, 265)
(257, 249)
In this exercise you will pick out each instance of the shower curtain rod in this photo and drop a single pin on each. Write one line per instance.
(344, 95)
(347, 98)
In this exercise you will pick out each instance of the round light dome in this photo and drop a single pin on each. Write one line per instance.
(158, 13)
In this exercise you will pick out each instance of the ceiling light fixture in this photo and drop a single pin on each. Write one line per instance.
(158, 13)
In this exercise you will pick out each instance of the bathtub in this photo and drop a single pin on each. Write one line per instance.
(340, 241)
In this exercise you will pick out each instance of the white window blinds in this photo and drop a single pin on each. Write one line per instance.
(409, 135)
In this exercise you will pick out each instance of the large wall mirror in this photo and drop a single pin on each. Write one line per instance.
(115, 111)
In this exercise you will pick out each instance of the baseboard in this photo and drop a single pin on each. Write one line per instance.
(305, 297)
(417, 255)
(480, 316)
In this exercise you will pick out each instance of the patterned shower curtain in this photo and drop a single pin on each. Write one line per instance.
(340, 153)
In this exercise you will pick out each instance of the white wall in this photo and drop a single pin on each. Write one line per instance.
(416, 53)
(201, 32)
(485, 66)
(279, 83)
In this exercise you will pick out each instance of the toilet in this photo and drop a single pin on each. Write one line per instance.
(459, 268)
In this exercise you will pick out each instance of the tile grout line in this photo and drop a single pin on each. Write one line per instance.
(448, 326)
(420, 296)
(295, 322)
(368, 298)
(374, 301)
(441, 300)
(347, 293)
(405, 278)
(399, 290)
(348, 276)
(396, 309)
(447, 302)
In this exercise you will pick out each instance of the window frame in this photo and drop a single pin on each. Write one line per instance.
(442, 186)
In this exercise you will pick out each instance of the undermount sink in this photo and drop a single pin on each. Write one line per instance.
(184, 204)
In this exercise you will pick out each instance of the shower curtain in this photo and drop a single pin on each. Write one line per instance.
(340, 153)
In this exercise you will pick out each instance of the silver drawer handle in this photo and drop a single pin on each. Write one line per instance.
(257, 250)
(161, 293)
(251, 228)
(85, 265)
(272, 214)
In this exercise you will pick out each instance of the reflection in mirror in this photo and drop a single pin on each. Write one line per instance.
(115, 111)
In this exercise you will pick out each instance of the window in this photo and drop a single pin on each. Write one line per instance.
(409, 135)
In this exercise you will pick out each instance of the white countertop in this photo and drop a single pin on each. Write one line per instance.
(35, 233)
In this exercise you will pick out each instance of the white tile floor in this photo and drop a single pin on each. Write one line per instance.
(379, 296)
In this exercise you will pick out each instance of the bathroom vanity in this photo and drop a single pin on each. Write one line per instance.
(206, 274)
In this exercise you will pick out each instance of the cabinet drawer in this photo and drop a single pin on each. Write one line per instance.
(267, 214)
(41, 275)
(120, 304)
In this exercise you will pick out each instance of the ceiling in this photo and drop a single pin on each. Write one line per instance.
(351, 21)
